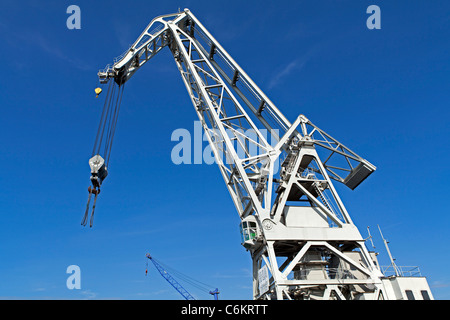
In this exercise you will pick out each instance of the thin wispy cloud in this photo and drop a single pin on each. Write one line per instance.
(39, 41)
(124, 35)
(294, 66)
(439, 284)
(297, 64)
(56, 52)
(88, 294)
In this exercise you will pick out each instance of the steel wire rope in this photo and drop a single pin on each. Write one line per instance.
(103, 123)
(101, 120)
(110, 122)
(116, 116)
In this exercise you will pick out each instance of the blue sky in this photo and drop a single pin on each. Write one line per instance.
(383, 93)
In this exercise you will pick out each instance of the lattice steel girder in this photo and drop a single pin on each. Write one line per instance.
(208, 94)
(157, 35)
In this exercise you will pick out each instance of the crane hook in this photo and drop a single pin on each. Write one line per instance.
(98, 174)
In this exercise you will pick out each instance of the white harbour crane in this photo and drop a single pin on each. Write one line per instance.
(302, 241)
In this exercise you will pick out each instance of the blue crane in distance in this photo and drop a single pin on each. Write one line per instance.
(174, 283)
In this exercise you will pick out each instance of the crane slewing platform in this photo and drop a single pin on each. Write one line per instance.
(302, 241)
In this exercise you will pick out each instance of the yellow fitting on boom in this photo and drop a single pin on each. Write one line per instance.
(98, 91)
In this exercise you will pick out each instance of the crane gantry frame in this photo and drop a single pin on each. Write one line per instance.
(293, 222)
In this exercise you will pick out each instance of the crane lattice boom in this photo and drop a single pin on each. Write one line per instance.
(174, 283)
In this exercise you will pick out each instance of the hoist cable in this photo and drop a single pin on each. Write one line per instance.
(112, 125)
(108, 121)
(101, 119)
(84, 221)
(116, 117)
(92, 214)
(106, 117)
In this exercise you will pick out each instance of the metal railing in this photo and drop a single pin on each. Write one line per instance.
(404, 271)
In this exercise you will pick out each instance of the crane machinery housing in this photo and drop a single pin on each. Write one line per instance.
(302, 241)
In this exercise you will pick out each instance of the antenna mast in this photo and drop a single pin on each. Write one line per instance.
(397, 271)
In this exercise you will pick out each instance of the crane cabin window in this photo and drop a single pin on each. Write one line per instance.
(425, 295)
(409, 295)
(248, 232)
